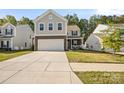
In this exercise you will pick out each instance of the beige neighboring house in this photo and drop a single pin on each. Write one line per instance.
(94, 41)
(74, 38)
(52, 33)
(15, 37)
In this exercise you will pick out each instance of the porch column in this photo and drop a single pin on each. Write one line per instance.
(71, 43)
(11, 43)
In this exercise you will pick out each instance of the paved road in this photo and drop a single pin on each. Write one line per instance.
(41, 67)
(97, 67)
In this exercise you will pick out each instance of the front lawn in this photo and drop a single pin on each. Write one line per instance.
(4, 55)
(82, 56)
(101, 77)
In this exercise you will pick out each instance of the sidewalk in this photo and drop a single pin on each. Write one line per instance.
(97, 67)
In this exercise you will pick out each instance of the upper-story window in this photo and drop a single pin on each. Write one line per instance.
(74, 33)
(59, 26)
(50, 26)
(41, 27)
(50, 17)
(8, 31)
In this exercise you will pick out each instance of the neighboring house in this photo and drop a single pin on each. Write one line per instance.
(74, 38)
(15, 37)
(94, 41)
(51, 32)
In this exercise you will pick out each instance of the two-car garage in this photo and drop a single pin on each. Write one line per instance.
(50, 43)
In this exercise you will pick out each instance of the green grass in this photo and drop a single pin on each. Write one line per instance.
(4, 55)
(101, 77)
(82, 56)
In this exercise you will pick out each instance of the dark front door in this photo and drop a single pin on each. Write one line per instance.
(1, 44)
(7, 44)
(69, 44)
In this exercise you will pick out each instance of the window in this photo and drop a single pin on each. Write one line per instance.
(25, 44)
(41, 27)
(50, 17)
(50, 26)
(75, 42)
(87, 45)
(6, 31)
(11, 31)
(74, 33)
(59, 26)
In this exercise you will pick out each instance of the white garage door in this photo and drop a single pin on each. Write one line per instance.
(50, 44)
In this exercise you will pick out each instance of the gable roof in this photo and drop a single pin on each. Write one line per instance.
(100, 27)
(25, 27)
(7, 24)
(50, 11)
(73, 27)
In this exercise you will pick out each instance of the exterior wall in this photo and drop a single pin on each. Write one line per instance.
(94, 43)
(7, 26)
(23, 35)
(55, 20)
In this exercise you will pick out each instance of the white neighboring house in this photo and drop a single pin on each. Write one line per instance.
(94, 41)
(15, 37)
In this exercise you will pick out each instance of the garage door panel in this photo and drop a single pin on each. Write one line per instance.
(50, 44)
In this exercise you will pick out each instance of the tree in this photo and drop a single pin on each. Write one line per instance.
(72, 19)
(25, 20)
(11, 19)
(3, 21)
(112, 39)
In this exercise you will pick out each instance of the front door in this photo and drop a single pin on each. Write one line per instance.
(7, 44)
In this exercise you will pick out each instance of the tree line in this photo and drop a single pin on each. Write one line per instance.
(11, 19)
(87, 26)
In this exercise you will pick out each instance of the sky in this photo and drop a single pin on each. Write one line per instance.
(81, 13)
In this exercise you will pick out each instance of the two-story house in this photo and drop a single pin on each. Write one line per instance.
(15, 37)
(52, 33)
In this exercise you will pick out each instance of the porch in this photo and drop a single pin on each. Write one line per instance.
(74, 43)
(6, 43)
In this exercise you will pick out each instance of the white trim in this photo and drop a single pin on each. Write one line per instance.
(34, 28)
(48, 26)
(66, 28)
(8, 24)
(51, 35)
(39, 26)
(62, 26)
(50, 11)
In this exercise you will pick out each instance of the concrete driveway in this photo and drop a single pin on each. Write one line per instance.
(41, 67)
